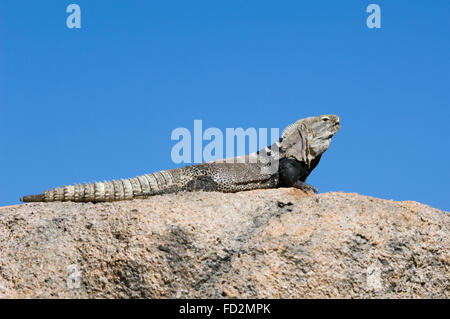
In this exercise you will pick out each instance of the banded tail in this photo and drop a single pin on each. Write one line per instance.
(145, 185)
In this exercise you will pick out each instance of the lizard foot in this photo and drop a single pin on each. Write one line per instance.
(305, 187)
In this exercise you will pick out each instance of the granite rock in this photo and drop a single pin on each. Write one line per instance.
(277, 243)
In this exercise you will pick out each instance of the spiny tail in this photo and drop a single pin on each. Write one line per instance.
(150, 184)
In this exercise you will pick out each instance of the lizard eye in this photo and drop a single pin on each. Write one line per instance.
(325, 119)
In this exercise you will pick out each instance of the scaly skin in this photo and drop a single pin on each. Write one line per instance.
(286, 163)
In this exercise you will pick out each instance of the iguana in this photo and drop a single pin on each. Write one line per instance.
(286, 163)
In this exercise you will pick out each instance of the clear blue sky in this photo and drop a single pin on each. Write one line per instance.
(100, 102)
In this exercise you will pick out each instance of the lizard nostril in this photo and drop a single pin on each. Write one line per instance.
(337, 126)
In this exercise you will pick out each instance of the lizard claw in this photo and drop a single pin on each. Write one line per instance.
(313, 189)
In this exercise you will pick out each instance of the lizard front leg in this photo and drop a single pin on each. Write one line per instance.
(293, 174)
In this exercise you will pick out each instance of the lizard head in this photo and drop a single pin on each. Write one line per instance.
(309, 138)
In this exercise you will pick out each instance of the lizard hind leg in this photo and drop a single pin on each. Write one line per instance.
(202, 183)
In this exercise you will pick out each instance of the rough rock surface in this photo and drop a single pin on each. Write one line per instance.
(279, 243)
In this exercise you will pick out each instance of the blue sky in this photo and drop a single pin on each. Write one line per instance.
(100, 102)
